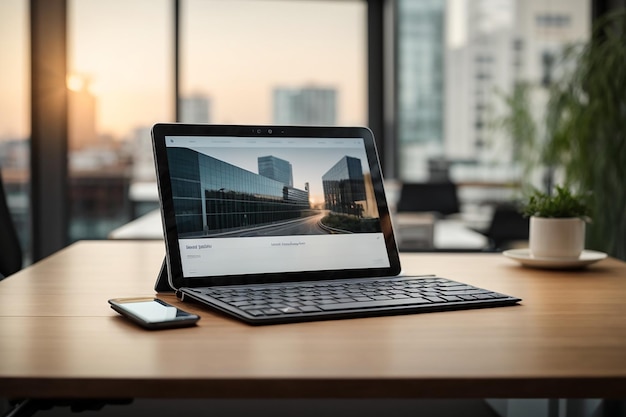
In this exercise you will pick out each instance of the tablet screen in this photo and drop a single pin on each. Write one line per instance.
(272, 206)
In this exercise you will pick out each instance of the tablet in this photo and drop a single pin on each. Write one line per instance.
(244, 204)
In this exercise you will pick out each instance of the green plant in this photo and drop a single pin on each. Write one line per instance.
(588, 110)
(520, 124)
(582, 137)
(563, 203)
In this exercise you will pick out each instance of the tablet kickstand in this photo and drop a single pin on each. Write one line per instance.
(162, 283)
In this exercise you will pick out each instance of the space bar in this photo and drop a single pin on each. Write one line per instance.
(374, 303)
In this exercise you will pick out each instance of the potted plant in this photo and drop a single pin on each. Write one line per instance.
(557, 223)
(588, 106)
(581, 140)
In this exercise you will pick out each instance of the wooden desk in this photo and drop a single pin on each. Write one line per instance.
(59, 338)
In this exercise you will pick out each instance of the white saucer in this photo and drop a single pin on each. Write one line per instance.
(525, 258)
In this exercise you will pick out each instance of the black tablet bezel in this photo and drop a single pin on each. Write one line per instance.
(175, 275)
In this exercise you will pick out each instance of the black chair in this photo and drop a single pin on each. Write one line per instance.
(507, 226)
(11, 252)
(434, 197)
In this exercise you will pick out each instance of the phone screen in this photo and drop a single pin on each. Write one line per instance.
(152, 312)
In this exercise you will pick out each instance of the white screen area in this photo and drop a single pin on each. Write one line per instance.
(271, 205)
(151, 311)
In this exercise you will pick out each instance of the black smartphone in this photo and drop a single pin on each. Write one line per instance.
(152, 313)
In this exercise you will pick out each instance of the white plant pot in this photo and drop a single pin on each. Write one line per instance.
(562, 238)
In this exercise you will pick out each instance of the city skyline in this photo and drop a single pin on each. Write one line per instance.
(92, 45)
(236, 52)
(218, 67)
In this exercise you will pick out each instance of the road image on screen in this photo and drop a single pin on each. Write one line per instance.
(282, 193)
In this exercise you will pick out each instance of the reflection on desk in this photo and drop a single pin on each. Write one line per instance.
(413, 231)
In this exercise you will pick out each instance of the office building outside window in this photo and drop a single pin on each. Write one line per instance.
(420, 72)
(276, 62)
(314, 106)
(451, 57)
(457, 61)
(119, 84)
(195, 108)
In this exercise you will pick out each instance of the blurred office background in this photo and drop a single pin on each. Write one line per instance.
(427, 76)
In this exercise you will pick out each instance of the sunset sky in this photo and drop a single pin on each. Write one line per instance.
(235, 52)
(14, 71)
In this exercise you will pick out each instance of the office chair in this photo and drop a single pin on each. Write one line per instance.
(434, 197)
(507, 226)
(11, 253)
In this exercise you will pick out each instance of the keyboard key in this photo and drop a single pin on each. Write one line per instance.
(309, 309)
(430, 294)
(466, 297)
(344, 300)
(435, 299)
(240, 303)
(255, 313)
(253, 307)
(289, 310)
(451, 298)
(373, 304)
(482, 296)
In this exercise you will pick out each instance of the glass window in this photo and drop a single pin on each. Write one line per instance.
(120, 83)
(457, 60)
(454, 57)
(274, 62)
(14, 115)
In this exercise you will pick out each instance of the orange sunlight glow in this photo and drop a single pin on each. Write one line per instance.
(75, 82)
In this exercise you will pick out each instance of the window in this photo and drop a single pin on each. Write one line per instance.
(274, 62)
(246, 61)
(120, 83)
(241, 62)
(14, 119)
(420, 94)
(454, 56)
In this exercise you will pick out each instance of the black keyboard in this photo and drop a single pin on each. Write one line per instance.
(290, 302)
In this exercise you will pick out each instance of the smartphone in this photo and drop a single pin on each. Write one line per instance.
(153, 313)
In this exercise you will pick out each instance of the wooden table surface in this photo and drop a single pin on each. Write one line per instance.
(59, 338)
